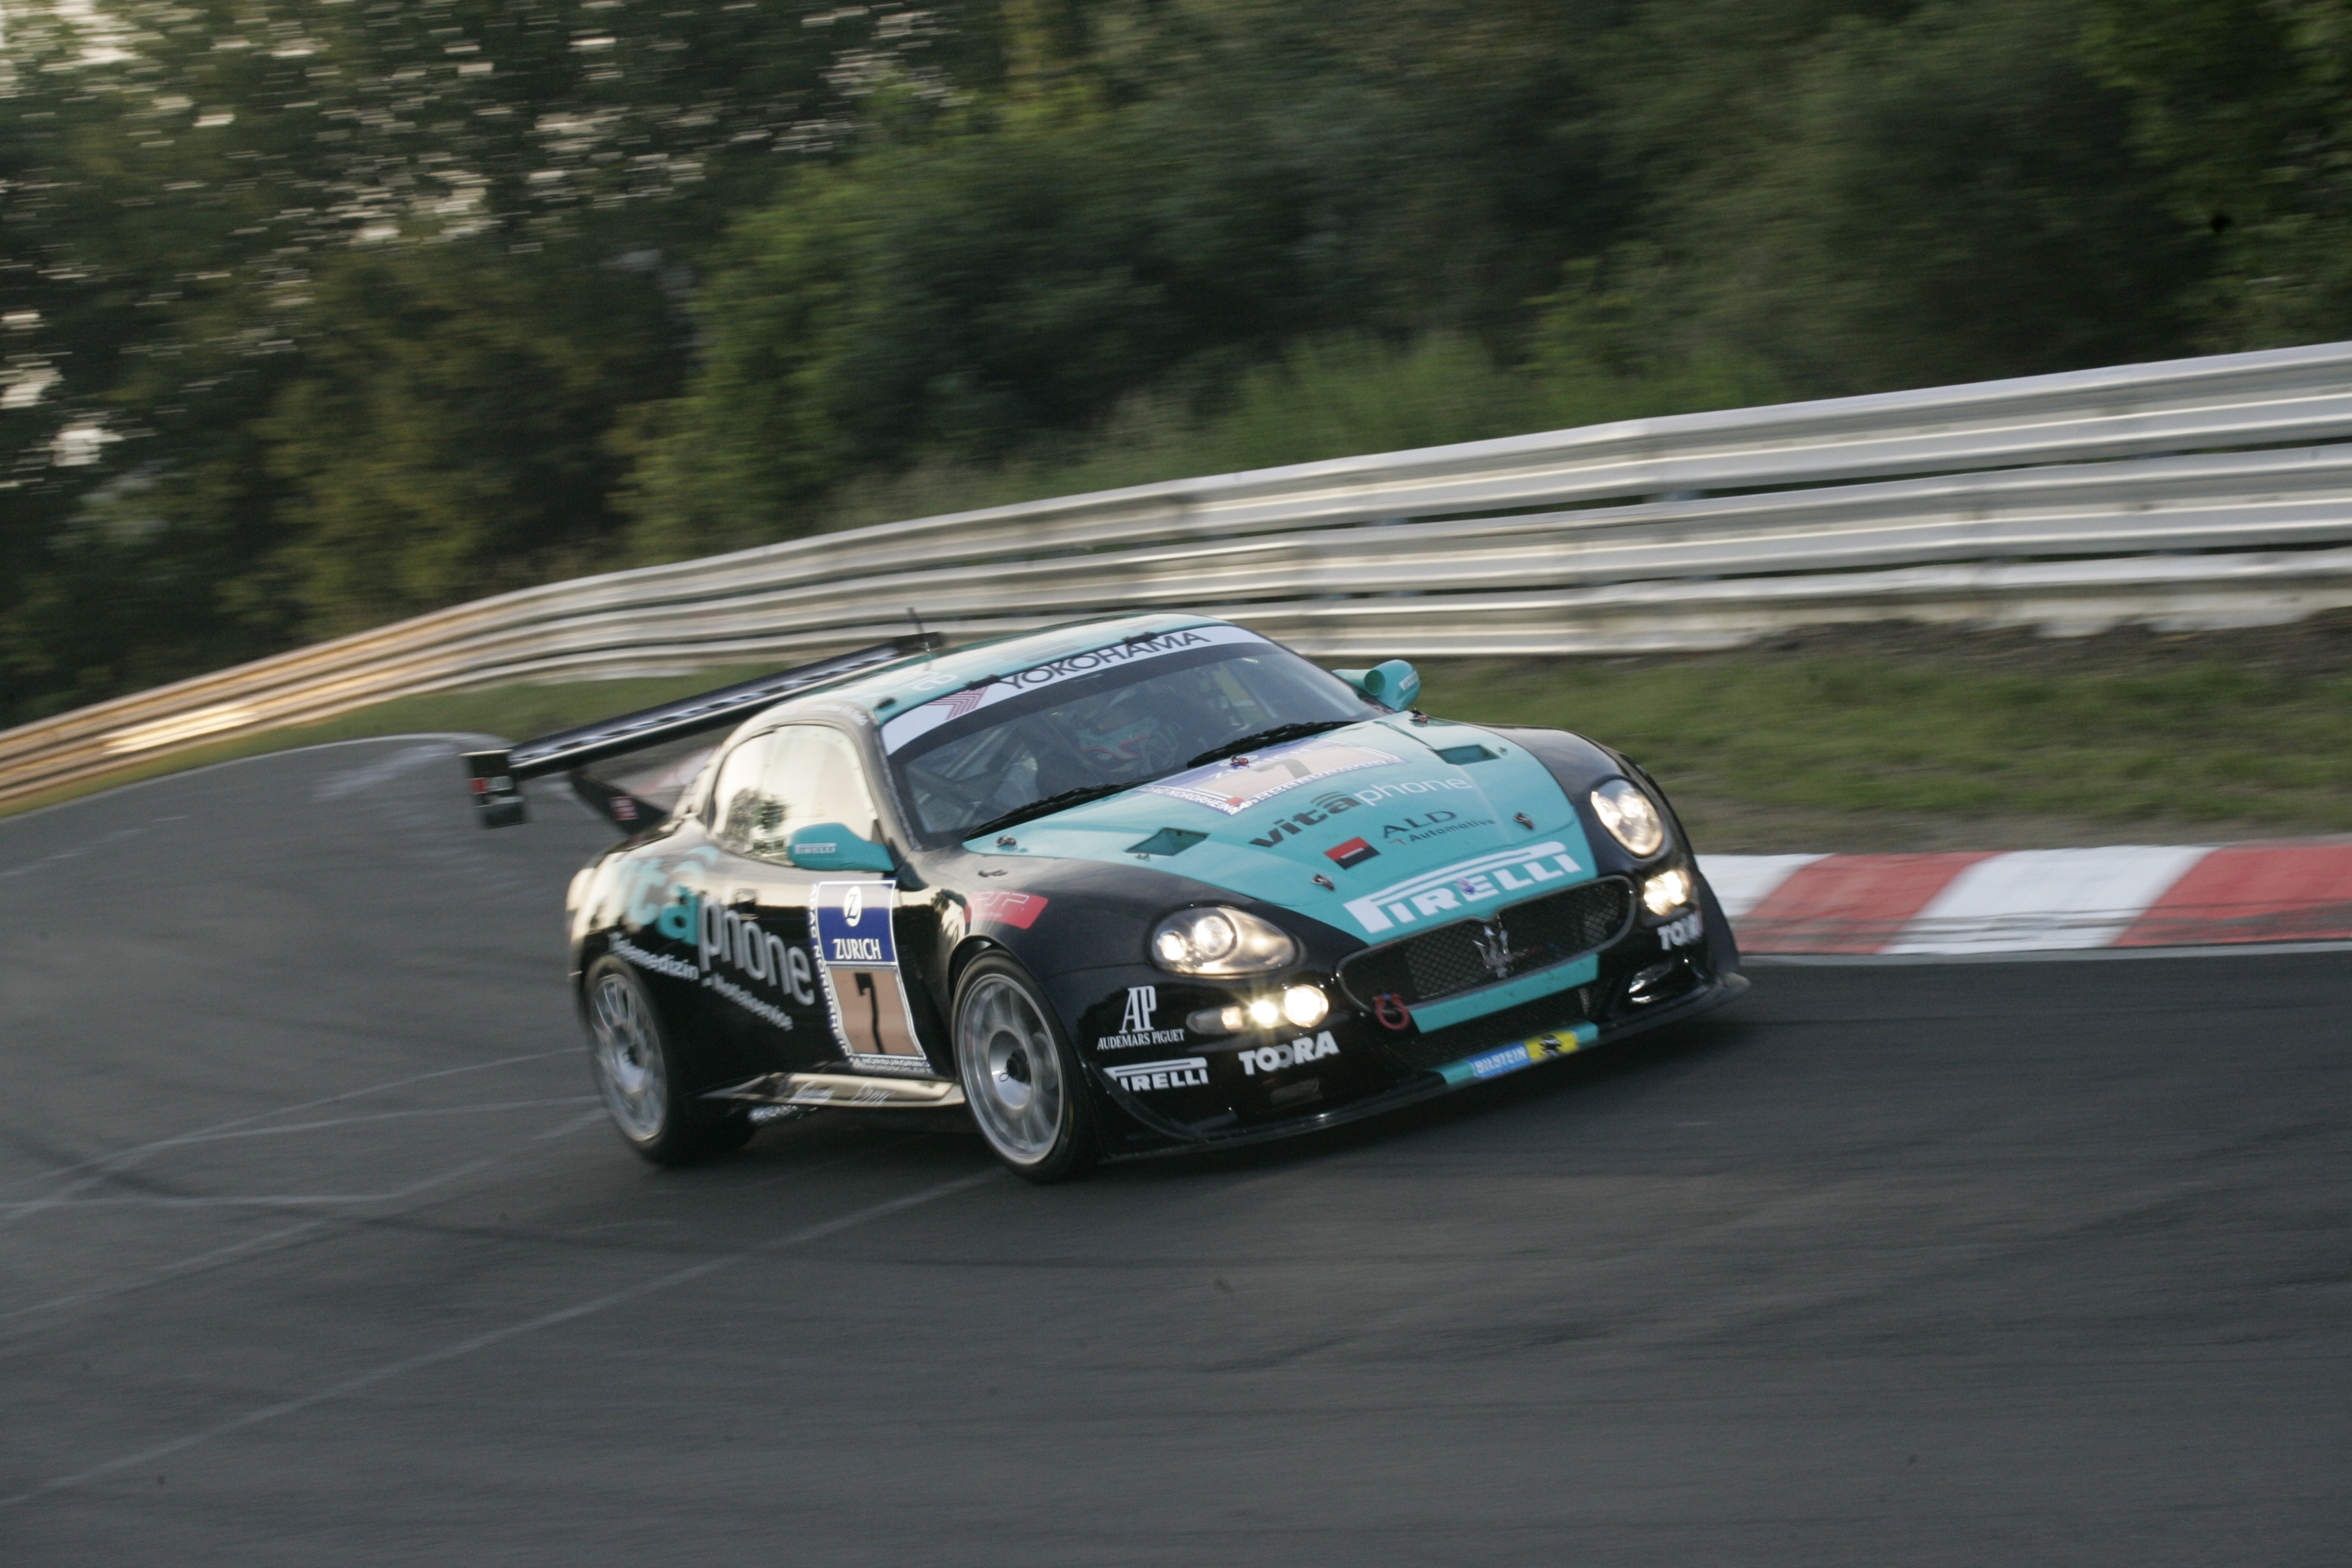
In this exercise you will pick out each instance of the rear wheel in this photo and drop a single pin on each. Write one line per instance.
(647, 1077)
(1021, 1078)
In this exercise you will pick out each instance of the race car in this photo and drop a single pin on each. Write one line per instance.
(1121, 887)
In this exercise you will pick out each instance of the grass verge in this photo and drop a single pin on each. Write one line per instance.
(1900, 737)
(1888, 738)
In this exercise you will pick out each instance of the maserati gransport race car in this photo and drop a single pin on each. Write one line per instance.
(1120, 887)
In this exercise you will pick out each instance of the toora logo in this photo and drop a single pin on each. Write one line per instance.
(1135, 1024)
(1274, 1058)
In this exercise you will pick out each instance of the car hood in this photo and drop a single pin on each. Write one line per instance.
(1413, 824)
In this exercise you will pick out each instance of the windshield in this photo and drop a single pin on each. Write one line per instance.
(1102, 722)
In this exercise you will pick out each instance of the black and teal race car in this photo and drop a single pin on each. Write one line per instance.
(1119, 887)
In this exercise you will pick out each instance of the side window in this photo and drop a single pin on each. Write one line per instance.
(745, 816)
(814, 772)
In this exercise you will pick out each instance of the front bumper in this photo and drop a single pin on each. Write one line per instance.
(1492, 1047)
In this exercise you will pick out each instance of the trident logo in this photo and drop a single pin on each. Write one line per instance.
(1495, 948)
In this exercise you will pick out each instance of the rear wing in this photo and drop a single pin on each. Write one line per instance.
(496, 777)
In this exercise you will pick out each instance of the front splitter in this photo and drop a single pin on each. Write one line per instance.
(1566, 1039)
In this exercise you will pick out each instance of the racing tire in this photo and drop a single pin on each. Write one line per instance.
(646, 1077)
(1022, 1082)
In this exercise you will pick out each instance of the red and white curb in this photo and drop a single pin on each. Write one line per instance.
(2037, 899)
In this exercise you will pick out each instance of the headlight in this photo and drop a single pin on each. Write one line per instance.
(1630, 816)
(1667, 891)
(1219, 941)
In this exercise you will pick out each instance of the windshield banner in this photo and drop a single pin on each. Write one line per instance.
(1235, 784)
(917, 722)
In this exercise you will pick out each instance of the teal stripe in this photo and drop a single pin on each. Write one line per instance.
(1510, 994)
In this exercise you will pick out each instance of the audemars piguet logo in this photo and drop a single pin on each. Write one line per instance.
(1136, 1023)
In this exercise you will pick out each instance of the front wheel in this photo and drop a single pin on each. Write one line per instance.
(1021, 1078)
(644, 1074)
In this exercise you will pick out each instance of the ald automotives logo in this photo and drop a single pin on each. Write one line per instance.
(1136, 1023)
(1437, 894)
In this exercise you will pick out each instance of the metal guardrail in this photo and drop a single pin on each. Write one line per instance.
(2192, 493)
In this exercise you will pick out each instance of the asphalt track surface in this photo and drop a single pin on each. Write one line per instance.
(314, 1248)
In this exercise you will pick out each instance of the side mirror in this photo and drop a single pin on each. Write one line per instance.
(830, 846)
(1395, 682)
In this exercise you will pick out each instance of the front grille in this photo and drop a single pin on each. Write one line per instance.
(1515, 941)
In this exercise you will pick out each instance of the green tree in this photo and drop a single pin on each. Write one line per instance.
(2248, 110)
(446, 437)
(1163, 196)
(189, 190)
(1935, 195)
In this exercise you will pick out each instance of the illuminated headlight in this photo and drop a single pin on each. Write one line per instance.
(1305, 1005)
(1630, 816)
(1667, 891)
(1220, 940)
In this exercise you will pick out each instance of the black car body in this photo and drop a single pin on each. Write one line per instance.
(1125, 887)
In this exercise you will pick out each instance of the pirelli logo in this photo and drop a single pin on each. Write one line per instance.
(1439, 894)
(1187, 1072)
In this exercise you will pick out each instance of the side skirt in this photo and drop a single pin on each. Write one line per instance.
(834, 1088)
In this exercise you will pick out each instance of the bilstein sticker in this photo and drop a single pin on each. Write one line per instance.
(1562, 1042)
(1437, 894)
